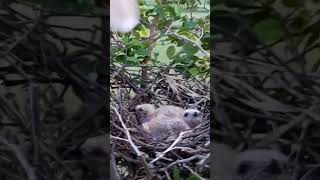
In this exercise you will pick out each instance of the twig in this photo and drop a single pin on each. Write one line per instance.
(194, 173)
(21, 158)
(35, 120)
(207, 54)
(183, 161)
(118, 138)
(133, 145)
(168, 175)
(273, 136)
(170, 148)
(201, 163)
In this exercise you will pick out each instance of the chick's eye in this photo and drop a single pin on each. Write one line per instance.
(186, 114)
(195, 114)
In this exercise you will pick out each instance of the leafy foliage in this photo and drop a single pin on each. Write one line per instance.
(171, 33)
(176, 173)
(266, 77)
(47, 84)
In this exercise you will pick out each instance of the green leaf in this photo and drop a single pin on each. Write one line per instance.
(171, 50)
(135, 42)
(144, 32)
(190, 49)
(176, 173)
(142, 51)
(177, 9)
(269, 30)
(194, 71)
(132, 61)
(180, 68)
(125, 39)
(121, 58)
(190, 24)
(156, 54)
(188, 34)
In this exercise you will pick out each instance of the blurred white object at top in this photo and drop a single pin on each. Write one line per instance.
(124, 15)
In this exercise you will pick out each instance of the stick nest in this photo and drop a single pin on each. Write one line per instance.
(188, 155)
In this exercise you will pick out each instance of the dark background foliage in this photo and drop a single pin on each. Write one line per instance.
(265, 77)
(53, 88)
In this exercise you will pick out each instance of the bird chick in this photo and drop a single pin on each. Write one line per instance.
(255, 164)
(192, 117)
(170, 111)
(261, 164)
(172, 117)
(164, 121)
(145, 112)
